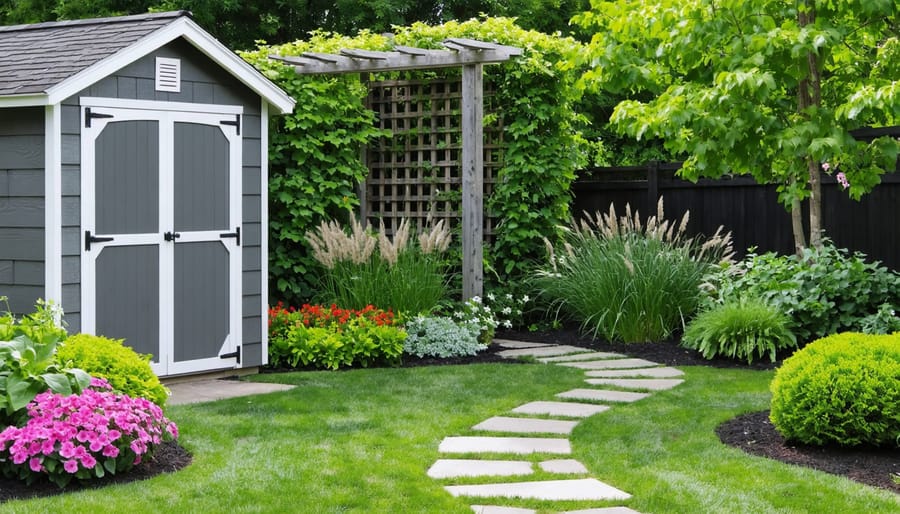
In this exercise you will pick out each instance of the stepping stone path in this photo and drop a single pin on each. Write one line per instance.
(602, 369)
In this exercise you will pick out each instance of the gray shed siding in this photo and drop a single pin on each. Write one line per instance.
(203, 81)
(21, 207)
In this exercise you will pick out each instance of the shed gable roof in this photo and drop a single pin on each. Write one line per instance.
(43, 63)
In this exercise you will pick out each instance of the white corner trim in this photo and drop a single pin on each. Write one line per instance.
(264, 226)
(53, 204)
(205, 43)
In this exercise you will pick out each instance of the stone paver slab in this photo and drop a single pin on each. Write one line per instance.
(581, 489)
(650, 384)
(611, 364)
(665, 372)
(206, 390)
(545, 351)
(491, 509)
(603, 395)
(565, 409)
(569, 466)
(452, 468)
(526, 425)
(604, 510)
(519, 445)
(514, 345)
(583, 357)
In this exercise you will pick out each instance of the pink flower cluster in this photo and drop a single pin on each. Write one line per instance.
(77, 430)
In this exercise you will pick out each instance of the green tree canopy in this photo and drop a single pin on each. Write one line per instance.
(770, 88)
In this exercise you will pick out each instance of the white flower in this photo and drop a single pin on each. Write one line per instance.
(525, 298)
(509, 296)
(476, 299)
(507, 310)
(459, 314)
(490, 296)
(507, 324)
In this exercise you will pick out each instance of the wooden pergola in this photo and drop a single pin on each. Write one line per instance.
(471, 55)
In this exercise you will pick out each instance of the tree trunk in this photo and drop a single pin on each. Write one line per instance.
(810, 96)
(797, 226)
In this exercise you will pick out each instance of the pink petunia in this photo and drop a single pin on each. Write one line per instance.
(71, 466)
(36, 464)
(88, 461)
(111, 452)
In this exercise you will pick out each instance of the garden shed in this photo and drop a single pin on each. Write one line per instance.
(133, 185)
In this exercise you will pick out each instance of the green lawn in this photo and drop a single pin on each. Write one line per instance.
(360, 441)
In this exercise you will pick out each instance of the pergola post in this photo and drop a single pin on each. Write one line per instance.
(472, 180)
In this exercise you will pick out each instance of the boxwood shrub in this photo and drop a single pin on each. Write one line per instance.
(127, 371)
(843, 389)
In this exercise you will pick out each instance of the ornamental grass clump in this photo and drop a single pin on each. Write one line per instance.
(83, 436)
(626, 280)
(407, 273)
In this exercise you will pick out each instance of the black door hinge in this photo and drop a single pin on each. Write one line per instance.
(236, 235)
(88, 239)
(236, 123)
(235, 354)
(89, 115)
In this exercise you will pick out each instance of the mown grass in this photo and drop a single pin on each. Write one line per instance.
(361, 441)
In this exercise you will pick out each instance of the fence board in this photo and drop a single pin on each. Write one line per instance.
(750, 210)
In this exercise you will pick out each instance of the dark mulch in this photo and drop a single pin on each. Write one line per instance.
(167, 458)
(752, 433)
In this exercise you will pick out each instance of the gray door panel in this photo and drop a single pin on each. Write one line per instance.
(127, 178)
(201, 300)
(201, 178)
(128, 296)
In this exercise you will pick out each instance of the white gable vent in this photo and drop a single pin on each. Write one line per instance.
(168, 75)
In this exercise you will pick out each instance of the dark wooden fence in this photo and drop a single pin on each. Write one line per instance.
(749, 210)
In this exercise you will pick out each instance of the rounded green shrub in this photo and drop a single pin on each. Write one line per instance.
(127, 371)
(842, 389)
(744, 329)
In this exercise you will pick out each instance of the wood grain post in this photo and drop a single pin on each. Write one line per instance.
(472, 180)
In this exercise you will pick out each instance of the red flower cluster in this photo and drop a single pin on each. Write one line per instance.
(326, 316)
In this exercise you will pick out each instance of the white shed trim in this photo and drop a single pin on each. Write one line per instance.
(53, 204)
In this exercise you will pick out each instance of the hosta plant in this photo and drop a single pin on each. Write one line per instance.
(83, 436)
(28, 368)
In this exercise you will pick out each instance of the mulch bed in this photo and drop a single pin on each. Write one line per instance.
(752, 433)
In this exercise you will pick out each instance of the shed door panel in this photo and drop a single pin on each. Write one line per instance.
(127, 178)
(201, 300)
(128, 307)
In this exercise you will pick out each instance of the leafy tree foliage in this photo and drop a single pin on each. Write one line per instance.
(766, 87)
(240, 23)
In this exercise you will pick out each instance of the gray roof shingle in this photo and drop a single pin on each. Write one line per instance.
(34, 58)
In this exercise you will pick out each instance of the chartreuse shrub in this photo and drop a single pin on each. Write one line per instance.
(843, 389)
(406, 273)
(82, 436)
(625, 280)
(742, 329)
(331, 337)
(824, 290)
(314, 151)
(124, 369)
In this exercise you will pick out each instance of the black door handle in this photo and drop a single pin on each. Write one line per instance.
(171, 236)
(88, 239)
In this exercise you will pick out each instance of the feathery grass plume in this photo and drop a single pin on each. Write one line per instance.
(361, 244)
(327, 243)
(436, 239)
(391, 249)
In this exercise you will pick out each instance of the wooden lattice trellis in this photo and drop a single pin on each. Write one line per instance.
(416, 171)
